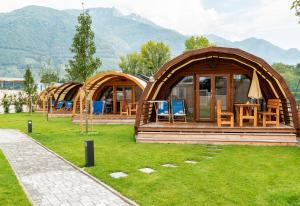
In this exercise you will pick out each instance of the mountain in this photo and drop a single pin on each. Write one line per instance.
(261, 48)
(33, 35)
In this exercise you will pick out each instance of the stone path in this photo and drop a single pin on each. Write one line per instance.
(48, 180)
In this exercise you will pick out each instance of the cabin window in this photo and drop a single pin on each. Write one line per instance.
(128, 93)
(221, 90)
(241, 85)
(185, 90)
(138, 93)
(107, 94)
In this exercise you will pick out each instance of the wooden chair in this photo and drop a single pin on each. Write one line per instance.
(273, 112)
(224, 118)
(124, 109)
(133, 108)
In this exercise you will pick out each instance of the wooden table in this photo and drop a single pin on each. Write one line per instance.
(240, 108)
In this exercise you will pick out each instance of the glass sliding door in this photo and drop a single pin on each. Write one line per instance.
(205, 97)
(221, 90)
(185, 90)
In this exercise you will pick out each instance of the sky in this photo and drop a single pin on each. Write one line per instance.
(235, 20)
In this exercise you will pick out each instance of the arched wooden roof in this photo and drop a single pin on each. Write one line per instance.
(102, 77)
(46, 91)
(250, 62)
(61, 91)
(99, 79)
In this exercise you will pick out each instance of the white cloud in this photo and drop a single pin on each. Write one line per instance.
(269, 19)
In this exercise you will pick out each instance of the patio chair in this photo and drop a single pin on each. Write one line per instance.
(272, 116)
(134, 107)
(98, 107)
(53, 103)
(162, 110)
(59, 105)
(224, 118)
(124, 108)
(68, 105)
(178, 109)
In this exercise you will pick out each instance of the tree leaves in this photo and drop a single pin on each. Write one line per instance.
(84, 64)
(197, 42)
(151, 57)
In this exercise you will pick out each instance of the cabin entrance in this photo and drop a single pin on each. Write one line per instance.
(210, 89)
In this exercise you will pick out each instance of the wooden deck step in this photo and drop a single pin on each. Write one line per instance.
(106, 121)
(219, 138)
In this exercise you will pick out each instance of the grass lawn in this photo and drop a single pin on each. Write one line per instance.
(11, 192)
(235, 175)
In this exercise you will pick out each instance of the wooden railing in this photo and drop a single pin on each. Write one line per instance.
(146, 111)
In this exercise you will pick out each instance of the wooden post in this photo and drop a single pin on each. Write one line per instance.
(114, 100)
(51, 104)
(80, 105)
(44, 106)
(91, 112)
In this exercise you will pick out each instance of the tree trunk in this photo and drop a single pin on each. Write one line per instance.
(86, 110)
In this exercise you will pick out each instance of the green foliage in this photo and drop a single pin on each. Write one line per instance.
(29, 87)
(197, 42)
(47, 74)
(291, 74)
(131, 63)
(19, 100)
(84, 64)
(6, 102)
(11, 192)
(296, 7)
(151, 57)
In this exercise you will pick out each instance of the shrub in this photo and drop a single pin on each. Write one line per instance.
(19, 100)
(6, 102)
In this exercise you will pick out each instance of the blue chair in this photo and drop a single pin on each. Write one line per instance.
(68, 105)
(53, 103)
(178, 109)
(162, 110)
(59, 105)
(98, 107)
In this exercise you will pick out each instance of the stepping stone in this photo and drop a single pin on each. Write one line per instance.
(207, 157)
(118, 175)
(169, 165)
(191, 162)
(147, 170)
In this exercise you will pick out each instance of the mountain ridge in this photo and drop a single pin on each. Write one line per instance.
(33, 34)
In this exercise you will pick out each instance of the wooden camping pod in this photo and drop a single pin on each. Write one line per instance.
(218, 60)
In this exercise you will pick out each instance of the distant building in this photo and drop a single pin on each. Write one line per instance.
(7, 83)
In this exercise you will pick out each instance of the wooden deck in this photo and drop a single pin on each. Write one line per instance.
(209, 133)
(107, 119)
(60, 114)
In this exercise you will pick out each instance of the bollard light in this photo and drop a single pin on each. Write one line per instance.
(89, 153)
(29, 126)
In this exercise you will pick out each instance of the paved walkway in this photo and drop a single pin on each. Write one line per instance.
(47, 179)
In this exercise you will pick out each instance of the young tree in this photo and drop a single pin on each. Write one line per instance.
(296, 7)
(84, 64)
(48, 75)
(29, 87)
(131, 63)
(197, 42)
(153, 56)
